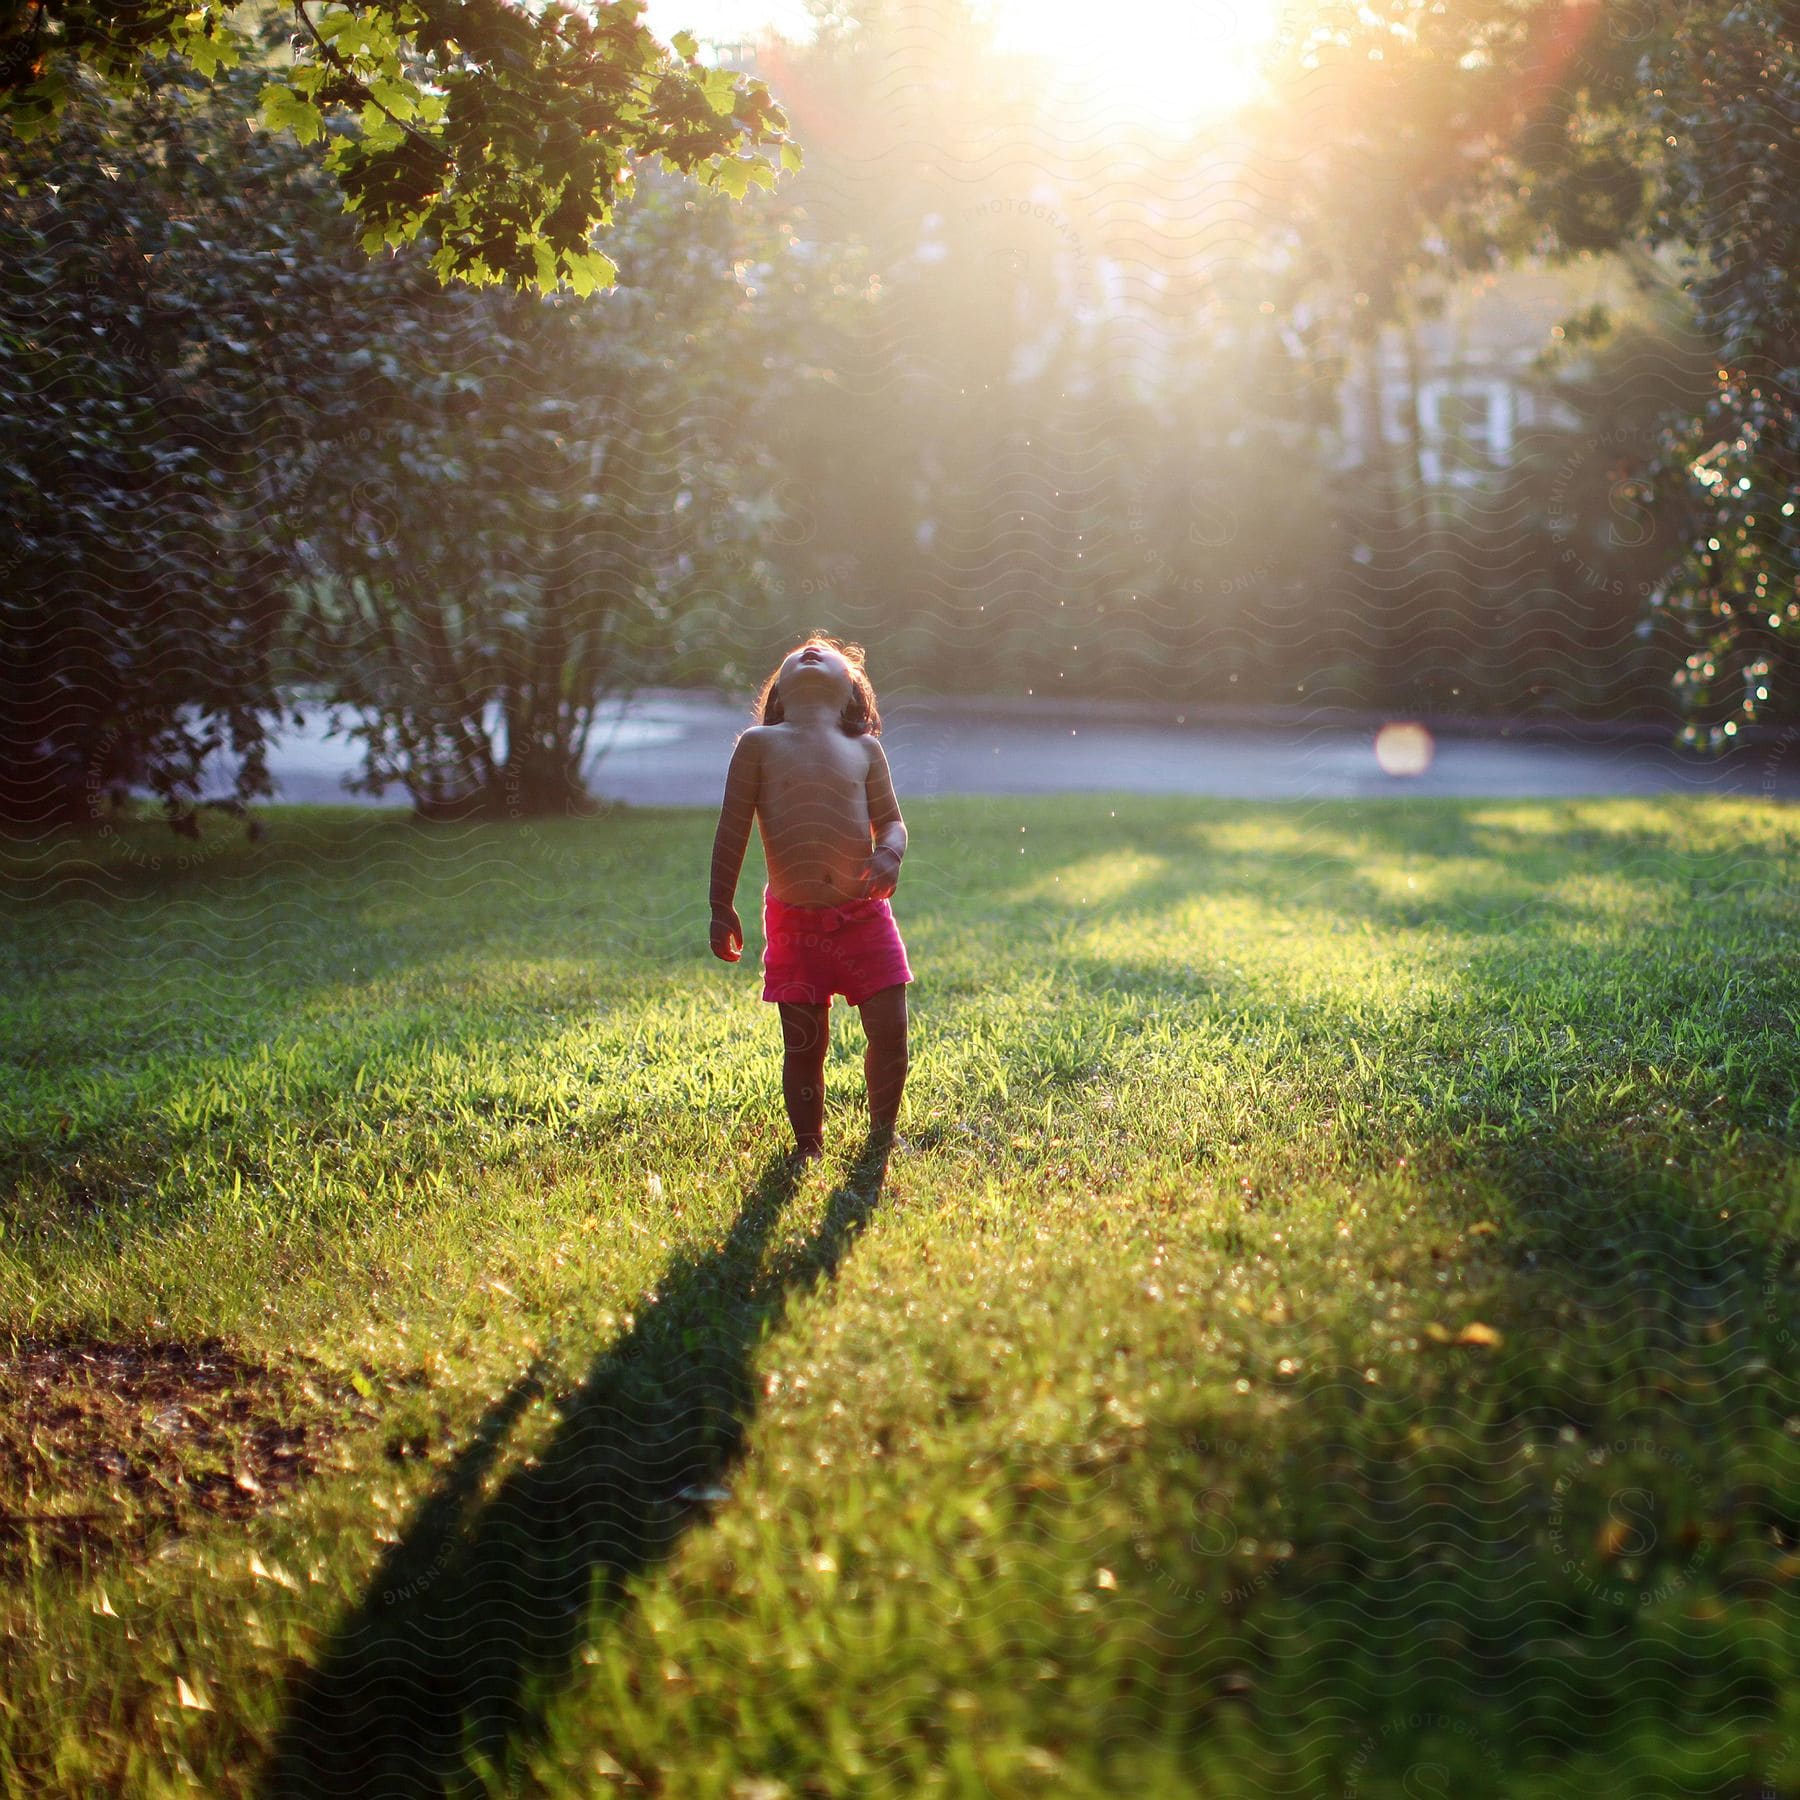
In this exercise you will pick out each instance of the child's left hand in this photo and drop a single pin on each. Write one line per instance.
(881, 873)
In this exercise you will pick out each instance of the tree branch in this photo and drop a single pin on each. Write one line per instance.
(333, 59)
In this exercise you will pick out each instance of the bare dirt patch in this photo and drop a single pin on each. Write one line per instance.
(104, 1447)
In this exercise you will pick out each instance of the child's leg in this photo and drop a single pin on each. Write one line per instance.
(805, 1033)
(884, 1062)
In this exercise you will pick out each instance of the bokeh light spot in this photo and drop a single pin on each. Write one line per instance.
(1404, 749)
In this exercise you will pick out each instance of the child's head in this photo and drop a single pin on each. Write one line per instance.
(823, 667)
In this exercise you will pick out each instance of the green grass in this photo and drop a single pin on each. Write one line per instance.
(1329, 1328)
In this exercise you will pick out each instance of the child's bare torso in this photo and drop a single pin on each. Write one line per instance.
(812, 804)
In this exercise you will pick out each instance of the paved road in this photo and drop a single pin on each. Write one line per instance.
(670, 749)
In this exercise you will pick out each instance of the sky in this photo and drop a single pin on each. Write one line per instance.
(1174, 62)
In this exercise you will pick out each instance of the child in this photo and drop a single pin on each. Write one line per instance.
(813, 776)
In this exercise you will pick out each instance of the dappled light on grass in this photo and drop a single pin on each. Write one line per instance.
(1335, 1278)
(1102, 880)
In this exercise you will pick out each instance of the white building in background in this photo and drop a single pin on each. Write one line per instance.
(1462, 386)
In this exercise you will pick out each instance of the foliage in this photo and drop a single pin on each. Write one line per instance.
(142, 603)
(1134, 1436)
(247, 452)
(1074, 444)
(512, 509)
(1006, 485)
(1551, 127)
(1674, 124)
(1726, 99)
(922, 415)
(502, 134)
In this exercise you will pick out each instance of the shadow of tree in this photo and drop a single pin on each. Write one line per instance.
(1476, 1556)
(472, 1621)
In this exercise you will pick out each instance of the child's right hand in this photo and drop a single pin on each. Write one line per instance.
(727, 934)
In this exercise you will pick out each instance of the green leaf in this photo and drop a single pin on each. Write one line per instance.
(284, 110)
(731, 176)
(401, 98)
(588, 270)
(720, 88)
(210, 54)
(685, 45)
(35, 112)
(379, 132)
(790, 157)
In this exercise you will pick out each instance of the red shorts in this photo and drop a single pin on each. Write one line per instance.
(813, 952)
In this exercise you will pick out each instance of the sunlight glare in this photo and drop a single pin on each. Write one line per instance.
(1172, 63)
(1168, 63)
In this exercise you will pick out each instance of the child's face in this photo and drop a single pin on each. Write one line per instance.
(816, 672)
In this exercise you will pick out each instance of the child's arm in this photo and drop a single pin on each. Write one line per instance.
(729, 844)
(886, 828)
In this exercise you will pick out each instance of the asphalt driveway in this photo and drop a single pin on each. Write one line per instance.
(670, 749)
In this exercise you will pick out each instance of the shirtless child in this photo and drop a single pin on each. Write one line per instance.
(812, 774)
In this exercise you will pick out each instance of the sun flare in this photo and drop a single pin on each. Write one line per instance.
(1172, 63)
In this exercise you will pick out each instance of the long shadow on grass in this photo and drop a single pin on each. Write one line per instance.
(476, 1616)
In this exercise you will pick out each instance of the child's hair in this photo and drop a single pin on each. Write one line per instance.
(861, 717)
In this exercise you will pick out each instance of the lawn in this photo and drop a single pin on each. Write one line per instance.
(1328, 1327)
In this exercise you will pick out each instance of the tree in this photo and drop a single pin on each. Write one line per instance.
(1725, 97)
(235, 449)
(503, 135)
(510, 508)
(177, 285)
(1559, 127)
(143, 603)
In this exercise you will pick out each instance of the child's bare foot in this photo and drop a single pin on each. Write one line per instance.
(807, 1150)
